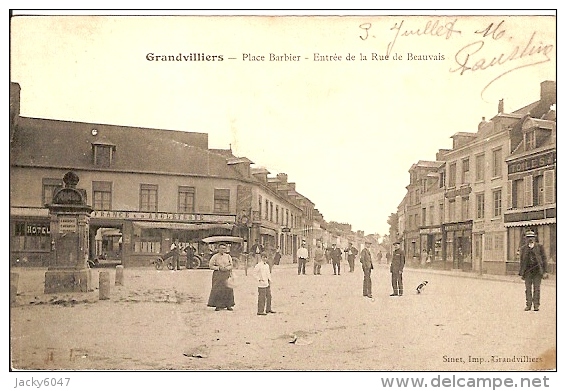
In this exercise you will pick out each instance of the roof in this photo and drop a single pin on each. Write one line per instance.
(65, 144)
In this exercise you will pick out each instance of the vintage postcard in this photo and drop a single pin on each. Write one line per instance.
(368, 181)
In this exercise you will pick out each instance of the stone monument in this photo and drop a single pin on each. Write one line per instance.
(70, 216)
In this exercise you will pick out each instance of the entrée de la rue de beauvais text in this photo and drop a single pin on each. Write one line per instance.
(249, 57)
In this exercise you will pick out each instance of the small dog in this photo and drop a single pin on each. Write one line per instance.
(421, 286)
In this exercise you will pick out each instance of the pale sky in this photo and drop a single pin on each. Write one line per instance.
(346, 132)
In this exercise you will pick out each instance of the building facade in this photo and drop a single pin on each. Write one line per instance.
(147, 187)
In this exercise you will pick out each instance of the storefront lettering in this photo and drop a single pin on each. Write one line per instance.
(37, 230)
(531, 163)
(181, 217)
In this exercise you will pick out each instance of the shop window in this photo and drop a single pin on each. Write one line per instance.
(31, 236)
(49, 187)
(148, 198)
(221, 200)
(102, 195)
(186, 203)
(148, 241)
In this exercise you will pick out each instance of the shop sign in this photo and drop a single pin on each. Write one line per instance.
(532, 162)
(67, 224)
(458, 227)
(180, 217)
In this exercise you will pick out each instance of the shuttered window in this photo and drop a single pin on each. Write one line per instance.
(549, 187)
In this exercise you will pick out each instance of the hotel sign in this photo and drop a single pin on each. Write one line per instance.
(532, 162)
(153, 216)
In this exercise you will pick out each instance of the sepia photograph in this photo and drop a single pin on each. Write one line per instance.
(322, 191)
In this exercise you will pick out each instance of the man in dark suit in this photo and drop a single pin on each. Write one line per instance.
(367, 266)
(396, 269)
(256, 251)
(532, 269)
(336, 256)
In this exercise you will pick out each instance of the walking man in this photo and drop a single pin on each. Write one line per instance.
(302, 255)
(318, 258)
(533, 268)
(396, 269)
(263, 276)
(336, 256)
(367, 266)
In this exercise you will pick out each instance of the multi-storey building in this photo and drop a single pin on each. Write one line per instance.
(147, 187)
(484, 204)
(531, 186)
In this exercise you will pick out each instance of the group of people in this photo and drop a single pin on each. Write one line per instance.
(533, 269)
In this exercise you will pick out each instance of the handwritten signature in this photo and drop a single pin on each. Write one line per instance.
(431, 28)
(470, 59)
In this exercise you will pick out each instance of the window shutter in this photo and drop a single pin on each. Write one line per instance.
(509, 191)
(549, 187)
(529, 190)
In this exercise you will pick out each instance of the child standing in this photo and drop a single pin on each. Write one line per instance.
(263, 276)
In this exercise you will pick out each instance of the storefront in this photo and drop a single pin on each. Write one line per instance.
(30, 237)
(458, 245)
(431, 245)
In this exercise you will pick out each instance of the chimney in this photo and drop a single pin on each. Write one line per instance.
(481, 123)
(500, 106)
(548, 92)
(282, 178)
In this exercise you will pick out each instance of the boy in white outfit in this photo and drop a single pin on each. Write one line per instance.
(263, 276)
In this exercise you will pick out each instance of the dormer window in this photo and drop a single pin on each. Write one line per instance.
(530, 140)
(103, 154)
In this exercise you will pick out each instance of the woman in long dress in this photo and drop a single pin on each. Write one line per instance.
(221, 295)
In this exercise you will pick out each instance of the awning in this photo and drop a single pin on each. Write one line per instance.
(181, 226)
(525, 223)
(266, 231)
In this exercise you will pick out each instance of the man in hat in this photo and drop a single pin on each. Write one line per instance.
(532, 269)
(352, 252)
(396, 269)
(367, 266)
(336, 256)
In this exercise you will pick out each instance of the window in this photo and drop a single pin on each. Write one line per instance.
(480, 164)
(31, 236)
(431, 215)
(441, 181)
(221, 200)
(538, 190)
(186, 199)
(102, 195)
(480, 205)
(452, 210)
(452, 175)
(549, 187)
(465, 208)
(519, 194)
(50, 186)
(277, 214)
(441, 212)
(271, 211)
(423, 217)
(497, 162)
(497, 203)
(260, 204)
(530, 140)
(266, 210)
(148, 198)
(103, 154)
(418, 195)
(466, 170)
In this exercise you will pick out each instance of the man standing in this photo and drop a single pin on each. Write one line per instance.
(302, 255)
(318, 258)
(352, 252)
(396, 269)
(175, 250)
(533, 268)
(336, 256)
(367, 266)
(256, 251)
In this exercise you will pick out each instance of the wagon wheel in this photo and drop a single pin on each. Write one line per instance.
(170, 265)
(194, 263)
(158, 263)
